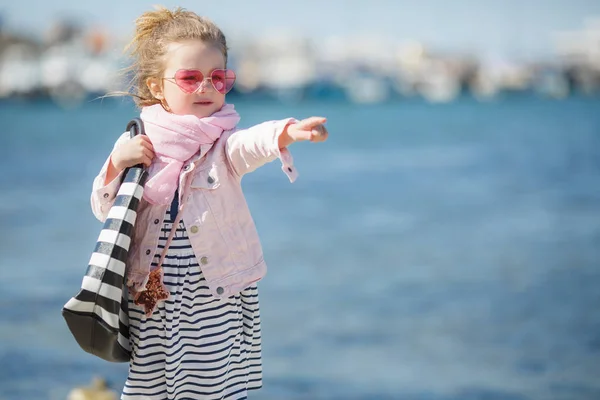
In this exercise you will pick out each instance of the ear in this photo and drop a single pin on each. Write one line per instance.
(155, 87)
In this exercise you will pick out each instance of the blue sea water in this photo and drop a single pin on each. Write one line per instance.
(431, 252)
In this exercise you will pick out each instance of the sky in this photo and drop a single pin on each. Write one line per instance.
(503, 27)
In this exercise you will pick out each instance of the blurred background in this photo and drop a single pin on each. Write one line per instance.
(443, 244)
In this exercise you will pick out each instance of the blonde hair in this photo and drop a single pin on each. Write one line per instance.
(154, 31)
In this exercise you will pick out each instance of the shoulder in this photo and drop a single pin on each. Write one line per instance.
(227, 134)
(221, 143)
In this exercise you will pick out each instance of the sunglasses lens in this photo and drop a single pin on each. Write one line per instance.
(189, 80)
(223, 80)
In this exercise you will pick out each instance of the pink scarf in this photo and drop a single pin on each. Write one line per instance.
(176, 138)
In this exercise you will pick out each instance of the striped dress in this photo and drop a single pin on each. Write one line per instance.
(194, 346)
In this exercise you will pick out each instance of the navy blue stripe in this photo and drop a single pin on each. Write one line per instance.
(237, 392)
(210, 335)
(188, 282)
(198, 354)
(176, 344)
(159, 338)
(177, 238)
(140, 394)
(193, 392)
(182, 352)
(167, 225)
(189, 307)
(176, 257)
(251, 327)
(233, 378)
(160, 371)
(174, 206)
(179, 273)
(188, 290)
(198, 393)
(227, 358)
(174, 302)
(191, 371)
(184, 346)
(197, 329)
(171, 247)
(189, 352)
(176, 267)
(189, 315)
(204, 318)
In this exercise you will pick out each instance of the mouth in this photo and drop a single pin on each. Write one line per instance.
(203, 103)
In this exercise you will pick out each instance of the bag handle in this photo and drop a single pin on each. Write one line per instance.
(136, 127)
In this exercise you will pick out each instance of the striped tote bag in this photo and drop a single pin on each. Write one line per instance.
(97, 315)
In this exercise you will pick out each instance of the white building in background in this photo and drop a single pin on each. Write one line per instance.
(581, 46)
(579, 51)
(19, 70)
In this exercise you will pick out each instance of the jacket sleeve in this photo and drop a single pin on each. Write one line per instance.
(249, 149)
(103, 196)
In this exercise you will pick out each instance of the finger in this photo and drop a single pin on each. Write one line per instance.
(144, 141)
(147, 161)
(311, 122)
(319, 134)
(149, 154)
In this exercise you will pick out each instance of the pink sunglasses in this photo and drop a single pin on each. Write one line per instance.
(190, 80)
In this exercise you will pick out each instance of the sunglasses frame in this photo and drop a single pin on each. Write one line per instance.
(205, 78)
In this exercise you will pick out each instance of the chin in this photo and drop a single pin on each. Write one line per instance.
(203, 114)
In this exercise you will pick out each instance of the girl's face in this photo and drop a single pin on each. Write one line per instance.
(189, 62)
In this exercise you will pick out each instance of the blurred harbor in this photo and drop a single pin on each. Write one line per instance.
(426, 252)
(70, 63)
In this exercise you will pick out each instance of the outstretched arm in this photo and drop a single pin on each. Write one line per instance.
(251, 148)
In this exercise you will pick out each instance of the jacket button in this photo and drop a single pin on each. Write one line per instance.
(186, 168)
(220, 290)
(156, 221)
(204, 260)
(106, 195)
(148, 252)
(194, 229)
(211, 180)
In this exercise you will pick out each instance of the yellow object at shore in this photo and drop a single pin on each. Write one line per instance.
(96, 391)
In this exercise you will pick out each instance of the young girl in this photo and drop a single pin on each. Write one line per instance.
(195, 257)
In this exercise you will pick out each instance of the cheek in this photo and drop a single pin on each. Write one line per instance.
(172, 93)
(219, 99)
(176, 99)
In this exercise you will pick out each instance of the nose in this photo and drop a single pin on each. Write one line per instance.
(206, 83)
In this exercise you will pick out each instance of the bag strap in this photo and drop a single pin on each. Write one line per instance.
(170, 239)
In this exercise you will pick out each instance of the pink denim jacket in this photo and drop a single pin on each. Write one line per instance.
(212, 206)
